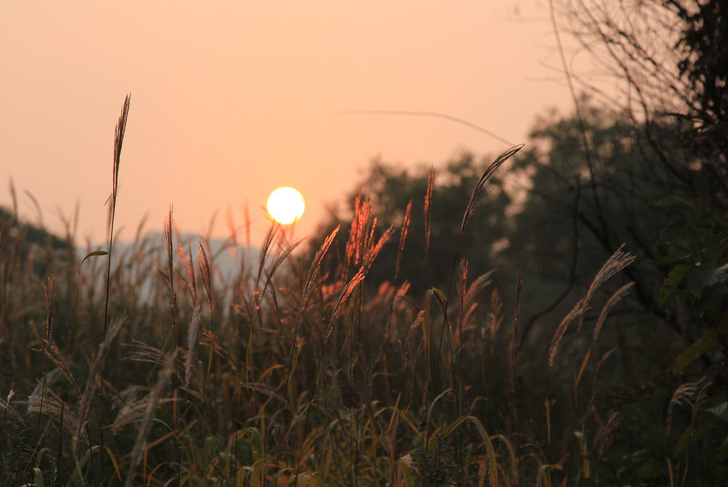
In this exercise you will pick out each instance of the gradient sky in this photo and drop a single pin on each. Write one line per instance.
(232, 99)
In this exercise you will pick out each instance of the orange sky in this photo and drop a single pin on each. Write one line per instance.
(233, 99)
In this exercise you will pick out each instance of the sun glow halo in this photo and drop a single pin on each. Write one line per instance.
(285, 205)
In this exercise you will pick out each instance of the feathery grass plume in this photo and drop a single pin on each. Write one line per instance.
(402, 238)
(143, 352)
(54, 353)
(130, 404)
(475, 195)
(683, 395)
(190, 282)
(575, 312)
(154, 397)
(357, 234)
(192, 330)
(169, 244)
(475, 198)
(616, 262)
(428, 220)
(94, 377)
(476, 288)
(210, 339)
(50, 404)
(352, 245)
(50, 349)
(118, 141)
(471, 299)
(367, 261)
(206, 275)
(613, 300)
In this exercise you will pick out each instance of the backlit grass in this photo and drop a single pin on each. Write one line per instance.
(150, 366)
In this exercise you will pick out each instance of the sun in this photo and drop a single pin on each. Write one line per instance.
(285, 205)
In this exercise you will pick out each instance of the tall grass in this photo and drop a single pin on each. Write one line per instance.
(162, 371)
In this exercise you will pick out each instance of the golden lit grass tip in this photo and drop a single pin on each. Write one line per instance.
(354, 246)
(370, 254)
(402, 238)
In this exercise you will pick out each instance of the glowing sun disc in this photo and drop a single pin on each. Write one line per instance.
(285, 205)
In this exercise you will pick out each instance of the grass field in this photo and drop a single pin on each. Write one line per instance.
(150, 367)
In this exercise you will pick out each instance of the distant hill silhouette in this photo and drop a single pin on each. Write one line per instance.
(21, 241)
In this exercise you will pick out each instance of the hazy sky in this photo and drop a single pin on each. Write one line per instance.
(232, 99)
